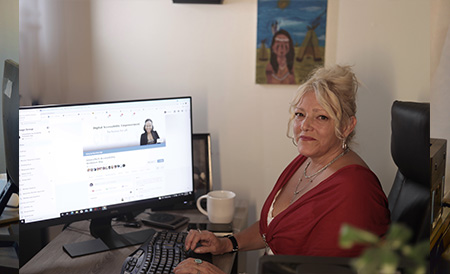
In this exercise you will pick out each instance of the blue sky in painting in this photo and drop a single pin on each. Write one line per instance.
(294, 19)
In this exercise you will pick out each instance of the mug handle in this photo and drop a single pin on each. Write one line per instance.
(199, 206)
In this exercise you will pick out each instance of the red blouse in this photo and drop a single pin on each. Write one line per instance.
(311, 225)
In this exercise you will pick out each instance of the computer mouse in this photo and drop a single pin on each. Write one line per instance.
(202, 256)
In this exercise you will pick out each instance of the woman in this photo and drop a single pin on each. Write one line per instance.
(325, 186)
(279, 69)
(149, 136)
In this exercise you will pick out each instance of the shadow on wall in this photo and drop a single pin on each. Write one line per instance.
(55, 51)
(374, 101)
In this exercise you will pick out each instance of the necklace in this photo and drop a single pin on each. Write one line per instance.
(313, 176)
(297, 191)
(323, 168)
(282, 77)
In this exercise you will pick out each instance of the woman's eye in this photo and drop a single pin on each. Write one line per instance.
(299, 114)
(323, 117)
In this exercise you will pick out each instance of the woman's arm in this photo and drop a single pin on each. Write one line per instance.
(247, 239)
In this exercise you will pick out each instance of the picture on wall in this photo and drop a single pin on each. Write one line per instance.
(290, 40)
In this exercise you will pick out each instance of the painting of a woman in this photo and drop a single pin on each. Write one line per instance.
(279, 69)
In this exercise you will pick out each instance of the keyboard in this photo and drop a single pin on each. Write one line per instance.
(160, 253)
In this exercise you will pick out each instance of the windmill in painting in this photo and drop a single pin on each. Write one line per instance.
(290, 40)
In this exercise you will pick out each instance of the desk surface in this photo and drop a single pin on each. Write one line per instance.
(52, 258)
(9, 260)
(441, 229)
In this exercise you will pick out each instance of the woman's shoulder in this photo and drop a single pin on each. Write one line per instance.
(357, 181)
(355, 176)
(355, 168)
(354, 159)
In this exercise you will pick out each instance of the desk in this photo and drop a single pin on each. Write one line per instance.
(52, 259)
(440, 242)
(9, 259)
(440, 234)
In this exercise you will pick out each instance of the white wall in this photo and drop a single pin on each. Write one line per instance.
(9, 49)
(440, 82)
(116, 49)
(388, 42)
(55, 51)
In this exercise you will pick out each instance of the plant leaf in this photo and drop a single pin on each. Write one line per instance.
(398, 235)
(350, 235)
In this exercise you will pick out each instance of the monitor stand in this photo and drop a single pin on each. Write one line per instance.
(6, 193)
(106, 239)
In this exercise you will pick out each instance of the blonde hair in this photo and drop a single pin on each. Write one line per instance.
(335, 88)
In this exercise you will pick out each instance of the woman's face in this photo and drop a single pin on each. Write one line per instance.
(281, 45)
(148, 126)
(314, 129)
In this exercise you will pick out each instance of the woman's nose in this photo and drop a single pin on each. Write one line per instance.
(306, 124)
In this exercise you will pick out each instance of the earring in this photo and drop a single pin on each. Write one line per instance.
(344, 145)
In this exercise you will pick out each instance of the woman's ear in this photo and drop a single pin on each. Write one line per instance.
(350, 126)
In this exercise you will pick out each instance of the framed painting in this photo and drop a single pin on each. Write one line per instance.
(290, 40)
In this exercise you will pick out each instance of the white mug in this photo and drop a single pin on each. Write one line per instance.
(220, 205)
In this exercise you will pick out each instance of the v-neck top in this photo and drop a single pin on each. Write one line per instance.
(311, 224)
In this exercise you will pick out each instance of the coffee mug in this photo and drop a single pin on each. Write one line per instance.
(220, 206)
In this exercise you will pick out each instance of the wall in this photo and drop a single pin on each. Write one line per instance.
(115, 49)
(440, 82)
(9, 49)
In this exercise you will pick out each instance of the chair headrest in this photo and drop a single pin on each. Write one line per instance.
(410, 139)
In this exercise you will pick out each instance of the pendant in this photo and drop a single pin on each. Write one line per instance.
(296, 188)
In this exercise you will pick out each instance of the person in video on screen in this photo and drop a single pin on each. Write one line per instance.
(150, 136)
(324, 187)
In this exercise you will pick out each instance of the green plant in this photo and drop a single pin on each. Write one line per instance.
(384, 255)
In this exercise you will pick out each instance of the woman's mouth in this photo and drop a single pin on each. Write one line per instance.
(306, 138)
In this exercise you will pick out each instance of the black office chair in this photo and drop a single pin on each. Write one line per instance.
(291, 264)
(409, 198)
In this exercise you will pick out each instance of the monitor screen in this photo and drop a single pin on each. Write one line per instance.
(97, 160)
(10, 118)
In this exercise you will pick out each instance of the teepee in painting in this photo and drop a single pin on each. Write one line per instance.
(309, 46)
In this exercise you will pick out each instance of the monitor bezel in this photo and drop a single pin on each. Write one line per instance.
(10, 117)
(119, 209)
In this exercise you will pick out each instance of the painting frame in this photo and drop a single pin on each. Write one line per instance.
(291, 40)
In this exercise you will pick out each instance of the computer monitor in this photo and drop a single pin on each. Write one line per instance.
(101, 160)
(10, 115)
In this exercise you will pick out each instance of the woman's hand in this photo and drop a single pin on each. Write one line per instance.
(210, 243)
(196, 266)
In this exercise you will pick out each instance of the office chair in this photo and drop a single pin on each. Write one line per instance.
(409, 198)
(291, 264)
